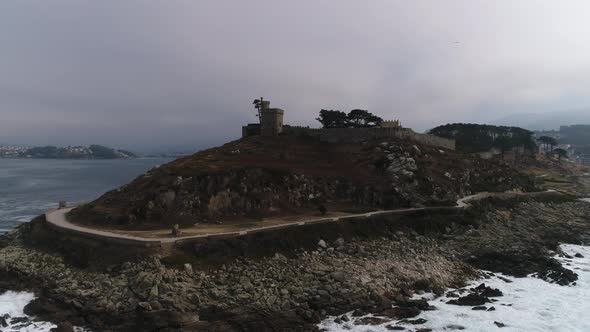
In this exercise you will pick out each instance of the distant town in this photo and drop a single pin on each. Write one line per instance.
(69, 152)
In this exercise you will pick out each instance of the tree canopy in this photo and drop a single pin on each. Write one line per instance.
(547, 141)
(561, 153)
(472, 138)
(356, 118)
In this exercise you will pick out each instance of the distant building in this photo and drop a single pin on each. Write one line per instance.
(271, 122)
(390, 124)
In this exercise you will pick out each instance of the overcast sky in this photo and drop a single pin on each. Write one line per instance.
(184, 73)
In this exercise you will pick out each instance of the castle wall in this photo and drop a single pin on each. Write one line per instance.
(355, 135)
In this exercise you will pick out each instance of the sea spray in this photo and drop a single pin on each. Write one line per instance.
(528, 304)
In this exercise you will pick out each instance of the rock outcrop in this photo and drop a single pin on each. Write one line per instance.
(258, 177)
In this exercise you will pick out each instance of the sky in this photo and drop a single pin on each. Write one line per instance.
(145, 74)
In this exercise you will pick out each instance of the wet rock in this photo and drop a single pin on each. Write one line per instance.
(63, 327)
(578, 255)
(4, 320)
(395, 328)
(470, 300)
(418, 321)
(18, 320)
(370, 321)
(322, 244)
(499, 324)
(480, 308)
(454, 327)
(400, 312)
(486, 291)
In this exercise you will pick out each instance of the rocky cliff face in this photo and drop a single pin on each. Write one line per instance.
(259, 177)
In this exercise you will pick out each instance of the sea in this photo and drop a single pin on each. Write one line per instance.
(29, 187)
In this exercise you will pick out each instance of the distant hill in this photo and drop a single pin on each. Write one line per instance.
(70, 152)
(546, 121)
(473, 138)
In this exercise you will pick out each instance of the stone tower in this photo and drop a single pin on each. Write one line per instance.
(271, 120)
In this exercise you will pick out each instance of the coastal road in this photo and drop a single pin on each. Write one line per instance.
(58, 219)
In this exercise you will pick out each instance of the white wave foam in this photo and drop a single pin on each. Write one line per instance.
(13, 303)
(528, 304)
(25, 218)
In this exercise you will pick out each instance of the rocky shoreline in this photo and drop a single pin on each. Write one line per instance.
(294, 290)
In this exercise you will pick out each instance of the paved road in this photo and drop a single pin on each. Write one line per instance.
(58, 219)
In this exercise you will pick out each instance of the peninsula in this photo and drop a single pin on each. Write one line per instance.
(70, 152)
(289, 225)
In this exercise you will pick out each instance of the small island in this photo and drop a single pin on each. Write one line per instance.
(70, 152)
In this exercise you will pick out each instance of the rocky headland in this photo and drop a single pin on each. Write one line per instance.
(258, 177)
(290, 279)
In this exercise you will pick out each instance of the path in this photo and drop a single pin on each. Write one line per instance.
(58, 219)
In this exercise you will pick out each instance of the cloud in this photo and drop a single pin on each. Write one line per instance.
(139, 73)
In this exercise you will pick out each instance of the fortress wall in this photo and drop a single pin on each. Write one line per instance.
(354, 135)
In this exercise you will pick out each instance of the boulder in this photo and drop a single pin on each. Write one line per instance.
(470, 300)
(339, 242)
(188, 269)
(63, 327)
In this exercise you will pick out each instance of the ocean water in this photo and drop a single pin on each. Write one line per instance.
(528, 305)
(28, 188)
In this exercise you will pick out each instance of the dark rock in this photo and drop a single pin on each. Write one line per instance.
(345, 318)
(492, 309)
(358, 313)
(18, 320)
(498, 324)
(578, 255)
(423, 285)
(63, 327)
(395, 328)
(470, 300)
(4, 320)
(413, 321)
(339, 242)
(486, 291)
(479, 308)
(454, 327)
(370, 321)
(400, 312)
